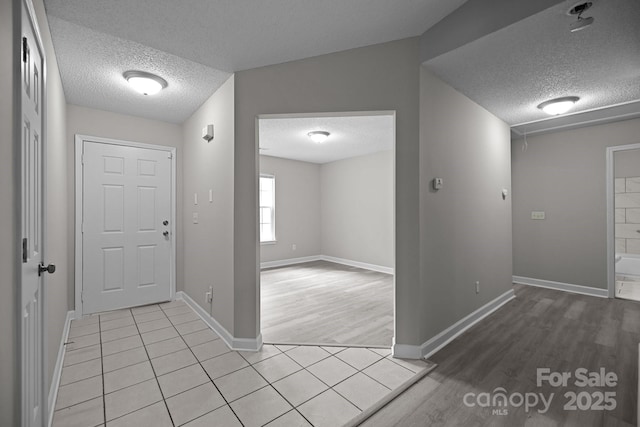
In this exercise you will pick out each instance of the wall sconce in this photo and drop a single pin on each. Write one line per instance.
(207, 133)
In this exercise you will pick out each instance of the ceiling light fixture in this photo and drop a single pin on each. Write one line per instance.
(318, 136)
(145, 83)
(558, 106)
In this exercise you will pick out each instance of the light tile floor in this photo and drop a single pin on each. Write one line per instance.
(161, 365)
(628, 287)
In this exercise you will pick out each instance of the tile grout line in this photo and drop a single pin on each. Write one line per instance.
(154, 374)
(104, 397)
(206, 373)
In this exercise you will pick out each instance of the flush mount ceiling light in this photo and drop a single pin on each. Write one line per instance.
(558, 105)
(318, 136)
(145, 83)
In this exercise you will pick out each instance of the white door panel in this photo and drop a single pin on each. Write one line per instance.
(32, 295)
(126, 245)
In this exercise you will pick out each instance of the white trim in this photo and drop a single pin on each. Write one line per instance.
(239, 344)
(79, 192)
(436, 343)
(358, 264)
(611, 243)
(559, 286)
(290, 261)
(366, 266)
(57, 370)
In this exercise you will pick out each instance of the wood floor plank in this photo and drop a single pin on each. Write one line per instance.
(326, 303)
(540, 328)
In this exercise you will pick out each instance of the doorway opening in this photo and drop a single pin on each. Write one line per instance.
(623, 214)
(327, 228)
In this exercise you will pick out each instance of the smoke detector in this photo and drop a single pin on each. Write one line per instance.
(581, 23)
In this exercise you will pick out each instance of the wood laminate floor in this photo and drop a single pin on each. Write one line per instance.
(326, 303)
(540, 328)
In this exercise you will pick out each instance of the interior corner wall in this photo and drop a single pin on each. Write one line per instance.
(105, 124)
(564, 174)
(9, 254)
(297, 209)
(373, 78)
(208, 245)
(357, 209)
(465, 227)
(57, 285)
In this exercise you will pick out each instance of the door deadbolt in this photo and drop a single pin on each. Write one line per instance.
(165, 222)
(51, 268)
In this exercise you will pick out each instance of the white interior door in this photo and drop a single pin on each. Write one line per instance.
(126, 239)
(32, 296)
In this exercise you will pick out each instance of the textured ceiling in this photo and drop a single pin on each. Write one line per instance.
(195, 44)
(233, 35)
(92, 63)
(350, 137)
(511, 71)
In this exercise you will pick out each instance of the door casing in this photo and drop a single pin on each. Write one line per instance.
(79, 141)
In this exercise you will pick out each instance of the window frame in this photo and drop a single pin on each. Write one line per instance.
(274, 240)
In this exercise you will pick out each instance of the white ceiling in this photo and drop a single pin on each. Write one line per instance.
(511, 71)
(194, 44)
(351, 136)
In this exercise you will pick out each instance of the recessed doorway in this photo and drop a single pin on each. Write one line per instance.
(327, 228)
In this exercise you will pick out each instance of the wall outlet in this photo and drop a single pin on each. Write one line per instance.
(293, 247)
(477, 287)
(537, 215)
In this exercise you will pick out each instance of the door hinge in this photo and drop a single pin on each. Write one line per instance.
(169, 155)
(82, 227)
(25, 49)
(25, 245)
(82, 159)
(82, 296)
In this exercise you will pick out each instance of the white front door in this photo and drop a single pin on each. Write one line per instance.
(126, 240)
(32, 295)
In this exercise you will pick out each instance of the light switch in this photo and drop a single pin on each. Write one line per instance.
(195, 198)
(437, 183)
(210, 196)
(195, 217)
(537, 215)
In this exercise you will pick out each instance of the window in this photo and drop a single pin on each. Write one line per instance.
(267, 208)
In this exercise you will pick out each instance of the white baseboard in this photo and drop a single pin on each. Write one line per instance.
(358, 264)
(343, 261)
(559, 286)
(290, 261)
(57, 370)
(240, 344)
(436, 343)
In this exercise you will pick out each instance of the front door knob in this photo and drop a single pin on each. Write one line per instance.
(165, 233)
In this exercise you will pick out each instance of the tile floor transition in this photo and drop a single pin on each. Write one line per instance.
(161, 365)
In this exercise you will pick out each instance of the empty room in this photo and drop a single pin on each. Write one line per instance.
(327, 229)
(408, 213)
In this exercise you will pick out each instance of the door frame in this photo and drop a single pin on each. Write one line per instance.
(18, 32)
(611, 215)
(79, 194)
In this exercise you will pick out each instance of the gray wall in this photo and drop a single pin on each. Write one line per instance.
(627, 163)
(208, 245)
(564, 174)
(56, 250)
(465, 228)
(373, 78)
(9, 226)
(297, 209)
(357, 209)
(88, 121)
